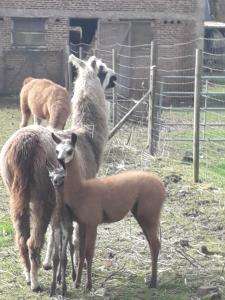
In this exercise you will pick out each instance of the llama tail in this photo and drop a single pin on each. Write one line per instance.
(20, 158)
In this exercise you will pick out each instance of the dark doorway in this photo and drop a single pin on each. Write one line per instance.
(82, 33)
(82, 30)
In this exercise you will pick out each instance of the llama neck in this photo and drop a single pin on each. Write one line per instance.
(59, 194)
(90, 114)
(73, 183)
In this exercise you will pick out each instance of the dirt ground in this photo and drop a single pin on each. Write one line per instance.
(192, 258)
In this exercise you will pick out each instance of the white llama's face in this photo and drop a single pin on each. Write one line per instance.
(106, 75)
(57, 176)
(65, 148)
(65, 151)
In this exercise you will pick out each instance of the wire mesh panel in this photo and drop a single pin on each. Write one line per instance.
(174, 92)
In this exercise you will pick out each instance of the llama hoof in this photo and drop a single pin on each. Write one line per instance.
(64, 290)
(152, 285)
(38, 289)
(77, 285)
(52, 291)
(47, 267)
(28, 283)
(74, 276)
(88, 286)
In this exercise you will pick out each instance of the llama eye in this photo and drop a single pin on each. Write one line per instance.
(69, 152)
(57, 151)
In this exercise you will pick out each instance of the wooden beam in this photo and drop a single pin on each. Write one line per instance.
(123, 120)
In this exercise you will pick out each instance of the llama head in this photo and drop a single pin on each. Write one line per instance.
(56, 175)
(65, 148)
(106, 75)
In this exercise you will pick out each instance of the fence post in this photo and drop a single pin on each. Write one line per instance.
(114, 116)
(151, 108)
(95, 47)
(205, 108)
(68, 69)
(196, 127)
(66, 73)
(123, 120)
(80, 52)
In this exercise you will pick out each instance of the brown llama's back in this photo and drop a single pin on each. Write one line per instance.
(138, 191)
(46, 100)
(22, 157)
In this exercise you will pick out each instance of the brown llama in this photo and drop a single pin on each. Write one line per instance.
(109, 199)
(46, 100)
(23, 163)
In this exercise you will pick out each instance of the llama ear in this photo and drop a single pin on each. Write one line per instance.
(49, 167)
(62, 163)
(93, 64)
(56, 138)
(78, 63)
(73, 139)
(92, 61)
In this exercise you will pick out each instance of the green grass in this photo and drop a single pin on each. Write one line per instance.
(219, 169)
(6, 231)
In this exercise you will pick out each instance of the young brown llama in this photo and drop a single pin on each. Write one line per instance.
(109, 199)
(46, 100)
(23, 164)
(62, 227)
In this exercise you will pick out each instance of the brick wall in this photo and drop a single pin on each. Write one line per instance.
(57, 12)
(182, 6)
(219, 10)
(57, 33)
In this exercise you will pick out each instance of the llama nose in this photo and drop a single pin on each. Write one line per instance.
(62, 163)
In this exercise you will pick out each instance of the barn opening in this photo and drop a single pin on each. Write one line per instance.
(82, 38)
(82, 31)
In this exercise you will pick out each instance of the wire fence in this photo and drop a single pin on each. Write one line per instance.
(174, 93)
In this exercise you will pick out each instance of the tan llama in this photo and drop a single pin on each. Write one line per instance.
(109, 199)
(46, 100)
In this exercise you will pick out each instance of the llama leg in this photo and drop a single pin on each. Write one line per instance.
(149, 226)
(59, 276)
(40, 221)
(76, 243)
(72, 253)
(48, 258)
(151, 233)
(154, 244)
(56, 234)
(81, 255)
(63, 258)
(91, 234)
(25, 116)
(37, 121)
(21, 222)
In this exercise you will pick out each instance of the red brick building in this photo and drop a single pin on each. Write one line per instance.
(34, 33)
